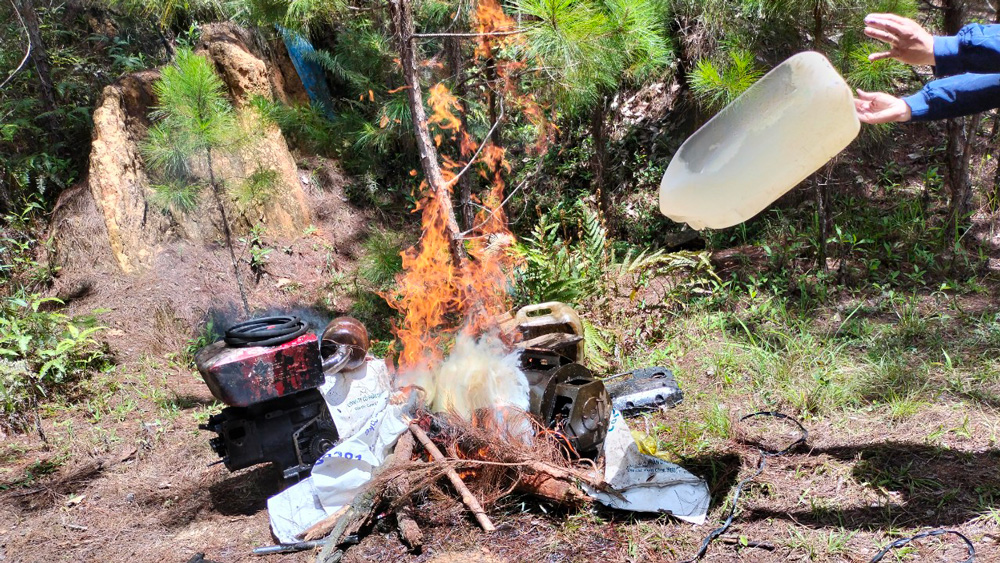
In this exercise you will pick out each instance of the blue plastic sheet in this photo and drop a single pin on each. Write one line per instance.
(313, 78)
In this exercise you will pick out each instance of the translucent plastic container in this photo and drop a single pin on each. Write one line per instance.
(782, 129)
(544, 318)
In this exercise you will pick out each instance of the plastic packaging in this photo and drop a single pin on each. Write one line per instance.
(774, 135)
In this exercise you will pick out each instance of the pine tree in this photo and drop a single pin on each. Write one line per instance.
(590, 49)
(195, 121)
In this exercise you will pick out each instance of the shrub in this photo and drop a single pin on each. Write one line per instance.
(41, 352)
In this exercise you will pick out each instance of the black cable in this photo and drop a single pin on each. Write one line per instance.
(971, 550)
(764, 454)
(265, 331)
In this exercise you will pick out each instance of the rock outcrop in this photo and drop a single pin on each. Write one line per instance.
(135, 227)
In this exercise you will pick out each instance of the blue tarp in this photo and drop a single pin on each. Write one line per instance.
(313, 78)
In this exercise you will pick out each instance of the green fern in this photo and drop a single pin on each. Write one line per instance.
(599, 347)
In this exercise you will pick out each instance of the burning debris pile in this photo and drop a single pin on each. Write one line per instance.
(499, 401)
(491, 419)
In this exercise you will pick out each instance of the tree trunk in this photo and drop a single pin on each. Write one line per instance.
(465, 182)
(817, 24)
(226, 231)
(402, 18)
(961, 133)
(599, 160)
(39, 56)
(953, 13)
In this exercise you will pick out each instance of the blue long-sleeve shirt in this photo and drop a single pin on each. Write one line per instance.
(975, 51)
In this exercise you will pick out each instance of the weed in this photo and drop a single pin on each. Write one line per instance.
(41, 352)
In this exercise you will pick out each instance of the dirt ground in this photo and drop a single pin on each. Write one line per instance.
(126, 475)
(135, 485)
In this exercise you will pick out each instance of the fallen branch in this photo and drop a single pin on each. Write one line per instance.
(471, 502)
(323, 528)
(350, 519)
(399, 487)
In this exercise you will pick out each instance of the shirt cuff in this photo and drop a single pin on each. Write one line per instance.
(918, 106)
(946, 56)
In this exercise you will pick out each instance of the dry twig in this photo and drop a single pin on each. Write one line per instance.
(467, 497)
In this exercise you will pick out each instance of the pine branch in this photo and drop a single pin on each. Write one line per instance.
(487, 34)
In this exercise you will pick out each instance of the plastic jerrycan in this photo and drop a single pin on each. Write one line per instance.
(779, 131)
(552, 316)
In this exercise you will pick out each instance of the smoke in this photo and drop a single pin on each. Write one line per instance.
(478, 374)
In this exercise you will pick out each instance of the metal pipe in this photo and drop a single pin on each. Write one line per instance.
(289, 547)
(338, 360)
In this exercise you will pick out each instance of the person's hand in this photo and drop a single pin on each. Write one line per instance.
(909, 42)
(879, 107)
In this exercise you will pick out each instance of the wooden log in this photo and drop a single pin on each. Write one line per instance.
(551, 488)
(409, 530)
(350, 519)
(323, 528)
(470, 501)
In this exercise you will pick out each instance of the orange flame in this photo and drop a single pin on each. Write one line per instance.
(442, 102)
(490, 19)
(438, 298)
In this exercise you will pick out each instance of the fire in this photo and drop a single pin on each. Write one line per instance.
(440, 299)
(443, 103)
(490, 19)
(449, 303)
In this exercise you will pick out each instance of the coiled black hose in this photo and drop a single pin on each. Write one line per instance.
(969, 548)
(265, 331)
(803, 437)
(764, 454)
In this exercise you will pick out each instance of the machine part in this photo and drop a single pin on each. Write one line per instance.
(245, 376)
(291, 432)
(265, 331)
(572, 401)
(344, 345)
(533, 321)
(289, 547)
(648, 389)
(564, 344)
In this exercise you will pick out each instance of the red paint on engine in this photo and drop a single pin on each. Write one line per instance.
(240, 377)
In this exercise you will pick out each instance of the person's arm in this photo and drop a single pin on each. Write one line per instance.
(976, 48)
(955, 96)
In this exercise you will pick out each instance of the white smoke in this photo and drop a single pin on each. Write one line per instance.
(478, 374)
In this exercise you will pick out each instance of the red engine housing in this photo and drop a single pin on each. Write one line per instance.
(240, 377)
